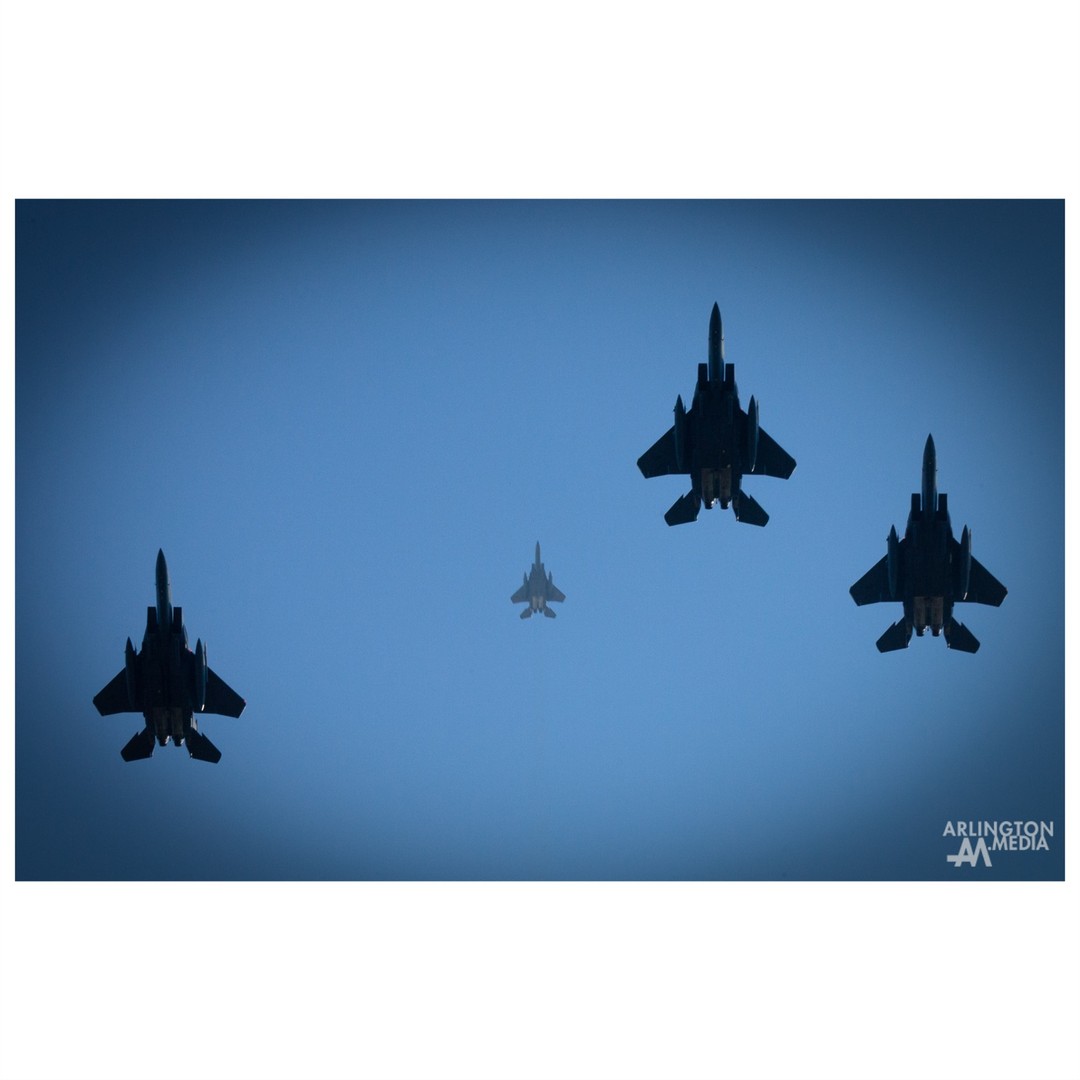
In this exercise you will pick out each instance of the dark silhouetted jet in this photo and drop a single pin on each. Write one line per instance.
(929, 571)
(537, 590)
(167, 683)
(716, 443)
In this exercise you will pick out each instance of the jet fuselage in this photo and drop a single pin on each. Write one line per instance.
(165, 668)
(715, 464)
(538, 584)
(928, 570)
(928, 565)
(537, 592)
(166, 673)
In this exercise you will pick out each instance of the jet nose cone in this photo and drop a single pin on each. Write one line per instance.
(161, 569)
(929, 476)
(716, 345)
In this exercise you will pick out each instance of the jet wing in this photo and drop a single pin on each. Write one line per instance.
(114, 698)
(983, 587)
(521, 596)
(772, 459)
(659, 459)
(873, 586)
(553, 593)
(221, 698)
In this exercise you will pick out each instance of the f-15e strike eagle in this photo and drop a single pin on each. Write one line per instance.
(168, 684)
(928, 571)
(537, 590)
(716, 443)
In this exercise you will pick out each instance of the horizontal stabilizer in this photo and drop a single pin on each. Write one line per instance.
(748, 510)
(201, 748)
(140, 745)
(684, 510)
(896, 637)
(958, 636)
(549, 613)
(527, 613)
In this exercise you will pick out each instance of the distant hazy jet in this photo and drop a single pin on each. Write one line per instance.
(537, 590)
(929, 571)
(716, 443)
(167, 683)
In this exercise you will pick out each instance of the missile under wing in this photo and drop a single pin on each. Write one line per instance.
(928, 571)
(716, 443)
(167, 683)
(537, 590)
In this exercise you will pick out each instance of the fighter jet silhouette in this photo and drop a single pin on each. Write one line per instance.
(928, 571)
(167, 683)
(716, 443)
(537, 590)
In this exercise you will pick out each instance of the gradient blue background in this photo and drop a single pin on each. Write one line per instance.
(347, 424)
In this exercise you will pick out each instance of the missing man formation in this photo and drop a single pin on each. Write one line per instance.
(717, 444)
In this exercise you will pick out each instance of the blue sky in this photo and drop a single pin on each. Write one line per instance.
(348, 423)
